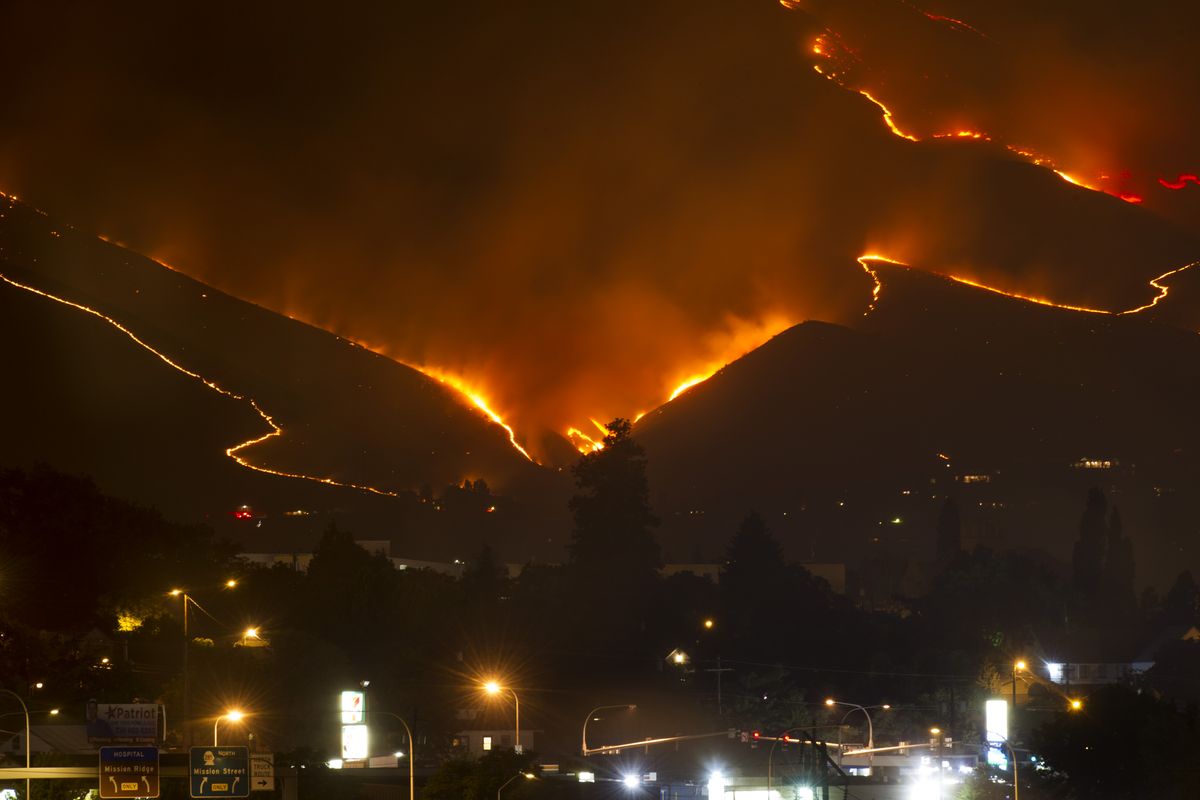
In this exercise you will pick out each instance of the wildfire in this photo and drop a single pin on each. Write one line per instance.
(1163, 291)
(235, 451)
(1181, 182)
(877, 284)
(887, 117)
(1041, 301)
(477, 399)
(586, 444)
(826, 46)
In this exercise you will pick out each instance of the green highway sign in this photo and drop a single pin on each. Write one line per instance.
(219, 771)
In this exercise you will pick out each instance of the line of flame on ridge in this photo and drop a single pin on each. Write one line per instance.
(818, 49)
(235, 451)
(1156, 282)
(474, 397)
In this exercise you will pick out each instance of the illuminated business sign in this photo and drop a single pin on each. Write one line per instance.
(354, 742)
(996, 728)
(353, 707)
(110, 723)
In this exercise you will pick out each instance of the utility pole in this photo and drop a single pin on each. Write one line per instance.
(718, 671)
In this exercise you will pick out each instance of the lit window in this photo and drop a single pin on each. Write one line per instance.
(487, 743)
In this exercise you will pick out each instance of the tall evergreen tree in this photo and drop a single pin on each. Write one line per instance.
(1088, 556)
(613, 550)
(1182, 603)
(1118, 561)
(754, 583)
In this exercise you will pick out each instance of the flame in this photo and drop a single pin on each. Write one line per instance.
(1163, 291)
(887, 117)
(821, 49)
(877, 284)
(1181, 182)
(1162, 288)
(1041, 301)
(232, 452)
(476, 398)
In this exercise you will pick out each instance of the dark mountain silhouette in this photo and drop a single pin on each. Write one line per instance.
(84, 398)
(851, 438)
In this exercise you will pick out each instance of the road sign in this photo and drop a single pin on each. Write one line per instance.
(262, 772)
(219, 771)
(128, 772)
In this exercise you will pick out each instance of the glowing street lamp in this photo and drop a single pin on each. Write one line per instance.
(829, 701)
(1018, 666)
(494, 688)
(591, 714)
(1076, 704)
(233, 715)
(527, 775)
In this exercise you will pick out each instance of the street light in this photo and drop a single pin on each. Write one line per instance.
(187, 707)
(233, 715)
(412, 748)
(1018, 666)
(588, 718)
(25, 711)
(941, 764)
(526, 775)
(494, 688)
(829, 701)
(1004, 741)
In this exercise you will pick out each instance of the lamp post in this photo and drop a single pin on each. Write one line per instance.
(25, 711)
(187, 698)
(1018, 666)
(494, 688)
(1013, 753)
(583, 742)
(526, 775)
(233, 715)
(187, 710)
(941, 740)
(870, 726)
(412, 749)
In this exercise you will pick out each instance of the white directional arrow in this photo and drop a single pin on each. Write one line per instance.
(146, 781)
(235, 782)
(203, 781)
(114, 783)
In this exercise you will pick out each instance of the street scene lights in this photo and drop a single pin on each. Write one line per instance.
(494, 688)
(870, 725)
(232, 715)
(591, 716)
(1076, 704)
(526, 775)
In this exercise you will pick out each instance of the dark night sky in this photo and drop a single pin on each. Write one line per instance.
(577, 205)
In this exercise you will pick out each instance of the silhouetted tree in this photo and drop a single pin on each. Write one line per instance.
(1182, 600)
(1125, 744)
(484, 579)
(754, 586)
(612, 547)
(1118, 563)
(949, 531)
(1088, 556)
